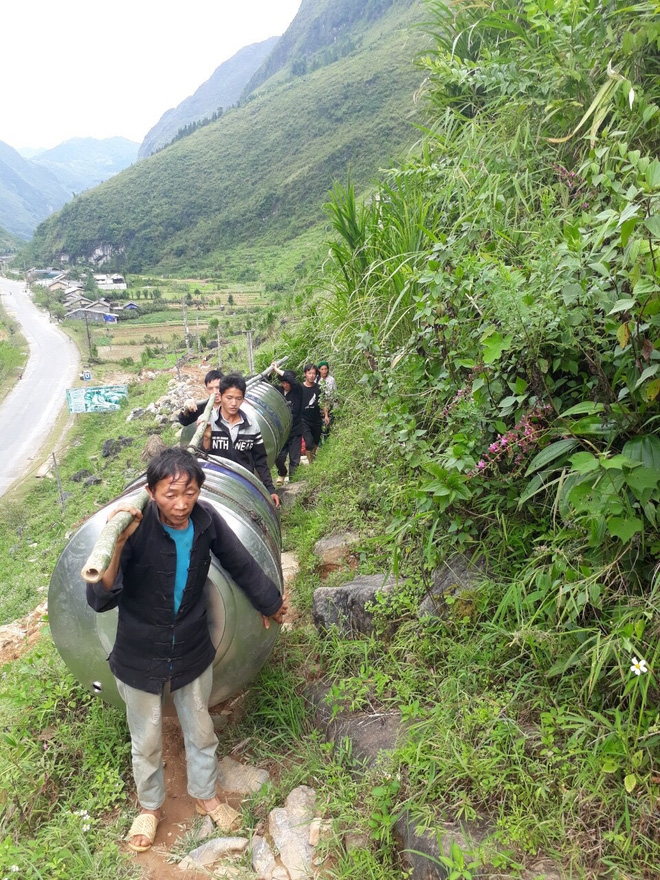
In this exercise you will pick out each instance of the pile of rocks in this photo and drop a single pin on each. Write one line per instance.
(166, 409)
(285, 850)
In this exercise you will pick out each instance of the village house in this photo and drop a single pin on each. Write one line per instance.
(110, 282)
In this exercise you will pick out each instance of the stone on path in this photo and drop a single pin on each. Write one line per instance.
(335, 551)
(213, 850)
(263, 860)
(240, 778)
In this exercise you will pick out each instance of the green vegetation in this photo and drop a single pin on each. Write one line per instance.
(258, 176)
(13, 353)
(61, 766)
(9, 243)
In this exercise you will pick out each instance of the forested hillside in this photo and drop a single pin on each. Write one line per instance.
(9, 243)
(217, 94)
(260, 174)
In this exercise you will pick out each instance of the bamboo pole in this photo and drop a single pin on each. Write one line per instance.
(199, 433)
(254, 379)
(102, 552)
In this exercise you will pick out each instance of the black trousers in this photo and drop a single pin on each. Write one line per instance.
(291, 448)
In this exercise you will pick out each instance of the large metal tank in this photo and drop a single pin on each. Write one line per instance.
(85, 638)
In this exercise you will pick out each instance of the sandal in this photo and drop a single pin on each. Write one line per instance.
(224, 816)
(144, 825)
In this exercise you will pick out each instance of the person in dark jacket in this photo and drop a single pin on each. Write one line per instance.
(314, 412)
(230, 434)
(193, 409)
(291, 389)
(156, 579)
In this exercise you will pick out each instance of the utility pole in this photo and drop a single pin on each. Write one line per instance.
(185, 325)
(197, 322)
(250, 353)
(59, 483)
(89, 339)
(217, 331)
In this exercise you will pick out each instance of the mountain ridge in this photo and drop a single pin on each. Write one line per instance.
(261, 173)
(221, 90)
(31, 189)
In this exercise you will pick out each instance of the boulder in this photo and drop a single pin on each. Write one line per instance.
(241, 778)
(458, 577)
(79, 476)
(372, 734)
(345, 606)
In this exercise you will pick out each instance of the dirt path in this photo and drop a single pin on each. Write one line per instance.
(179, 811)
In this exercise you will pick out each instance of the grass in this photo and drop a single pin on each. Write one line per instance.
(63, 766)
(488, 739)
(13, 353)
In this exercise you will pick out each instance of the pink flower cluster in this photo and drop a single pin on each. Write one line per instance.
(464, 392)
(516, 443)
(573, 182)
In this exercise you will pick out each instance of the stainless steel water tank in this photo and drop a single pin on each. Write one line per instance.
(85, 638)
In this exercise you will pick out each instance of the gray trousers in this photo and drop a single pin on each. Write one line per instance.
(144, 715)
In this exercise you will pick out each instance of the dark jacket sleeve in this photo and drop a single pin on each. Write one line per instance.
(101, 599)
(187, 418)
(262, 592)
(260, 460)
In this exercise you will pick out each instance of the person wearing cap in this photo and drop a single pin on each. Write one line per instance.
(329, 396)
(291, 389)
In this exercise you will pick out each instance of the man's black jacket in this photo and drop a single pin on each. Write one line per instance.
(153, 645)
(248, 450)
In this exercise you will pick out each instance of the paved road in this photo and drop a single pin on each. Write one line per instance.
(29, 412)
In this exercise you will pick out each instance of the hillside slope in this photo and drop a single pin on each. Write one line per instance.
(221, 90)
(28, 193)
(83, 163)
(320, 32)
(261, 173)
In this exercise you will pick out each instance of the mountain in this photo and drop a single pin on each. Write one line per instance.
(33, 188)
(9, 244)
(220, 91)
(83, 163)
(260, 175)
(28, 192)
(316, 35)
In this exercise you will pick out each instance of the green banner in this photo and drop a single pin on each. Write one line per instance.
(105, 398)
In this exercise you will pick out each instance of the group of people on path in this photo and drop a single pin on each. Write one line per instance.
(156, 579)
(230, 433)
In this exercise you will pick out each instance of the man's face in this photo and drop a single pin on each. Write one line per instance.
(213, 387)
(175, 497)
(310, 375)
(230, 402)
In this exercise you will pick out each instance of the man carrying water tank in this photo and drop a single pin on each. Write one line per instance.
(230, 433)
(156, 579)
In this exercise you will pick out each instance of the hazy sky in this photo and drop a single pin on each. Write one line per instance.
(83, 69)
